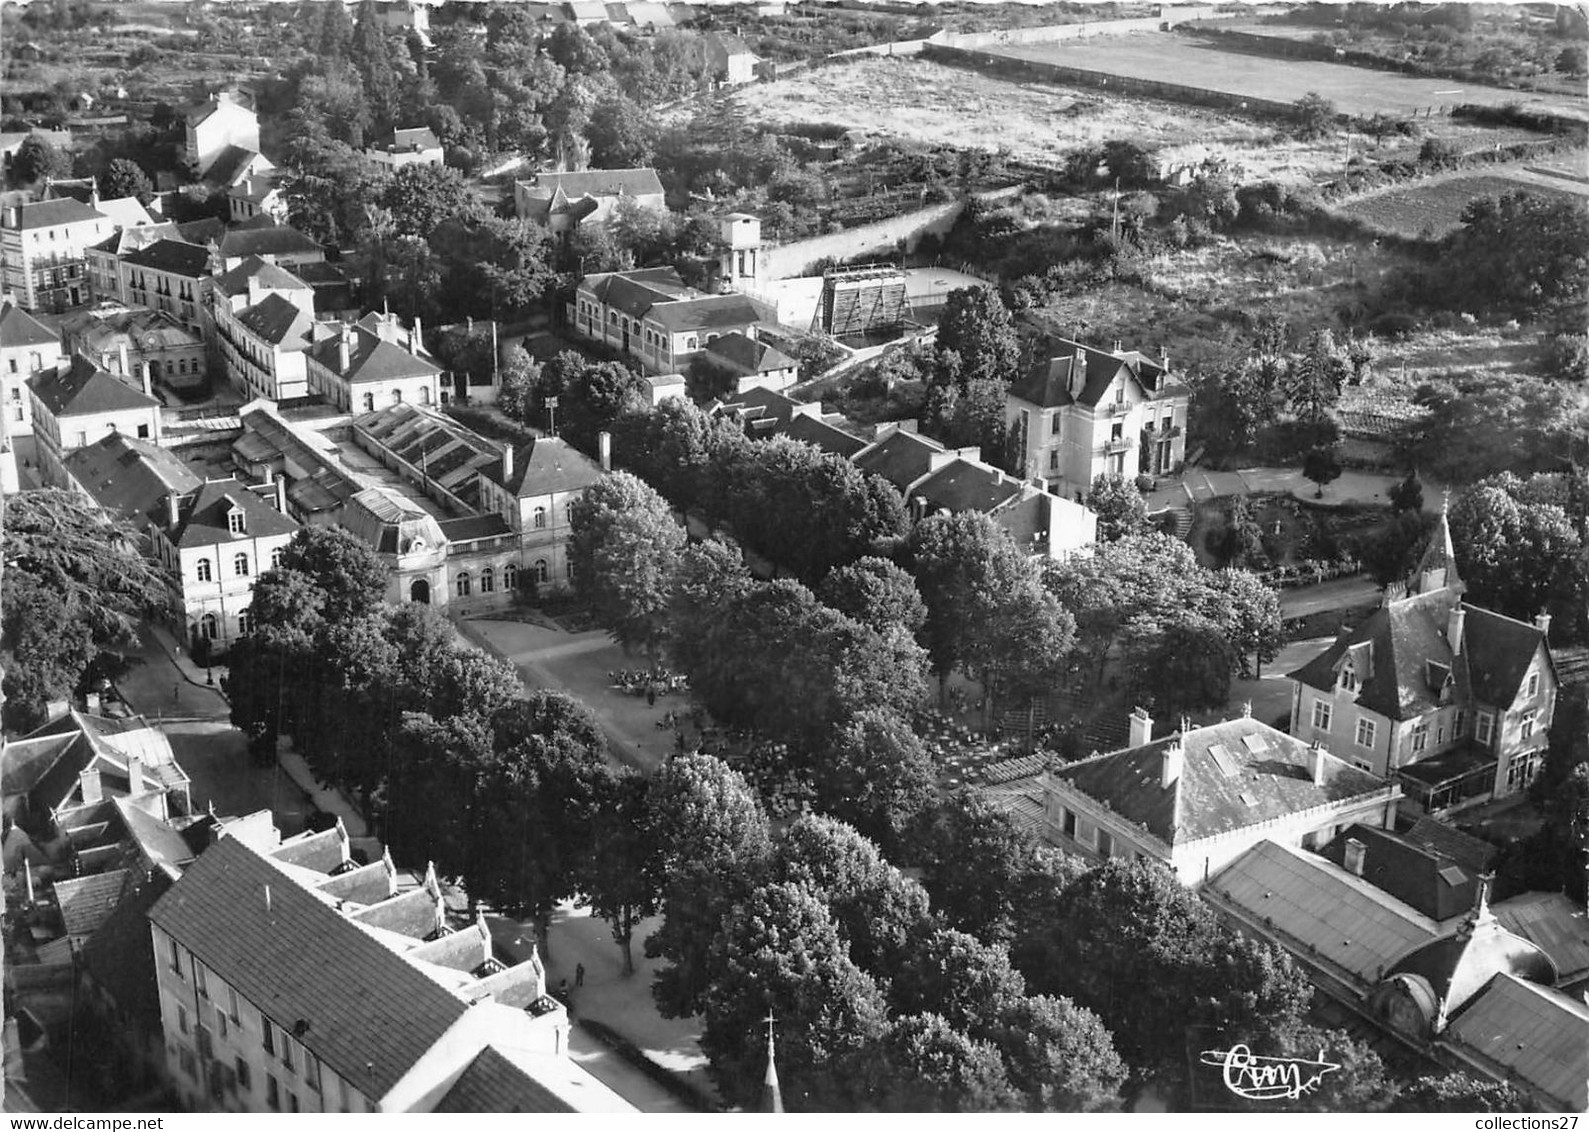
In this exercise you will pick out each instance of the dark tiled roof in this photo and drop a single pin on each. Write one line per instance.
(202, 231)
(277, 240)
(87, 902)
(50, 213)
(636, 292)
(964, 486)
(748, 355)
(600, 183)
(1437, 886)
(362, 1009)
(901, 458)
(1470, 852)
(473, 527)
(492, 1083)
(278, 321)
(82, 388)
(1533, 1032)
(416, 913)
(546, 466)
(767, 405)
(175, 257)
(120, 955)
(1499, 650)
(229, 164)
(267, 275)
(321, 852)
(1270, 769)
(19, 328)
(829, 438)
(1401, 637)
(130, 478)
(708, 313)
(202, 516)
(371, 358)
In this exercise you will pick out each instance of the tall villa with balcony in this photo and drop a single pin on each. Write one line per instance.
(1084, 413)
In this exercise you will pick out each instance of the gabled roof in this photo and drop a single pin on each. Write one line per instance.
(492, 1083)
(415, 138)
(636, 292)
(710, 312)
(1555, 924)
(1268, 779)
(749, 355)
(1447, 841)
(279, 322)
(86, 902)
(265, 274)
(125, 212)
(829, 438)
(1537, 1033)
(52, 213)
(366, 1012)
(545, 466)
(1395, 641)
(597, 182)
(901, 458)
(177, 257)
(277, 239)
(1457, 967)
(1048, 383)
(1437, 886)
(47, 764)
(82, 388)
(963, 486)
(19, 328)
(230, 165)
(370, 358)
(1500, 650)
(130, 478)
(202, 230)
(202, 516)
(120, 955)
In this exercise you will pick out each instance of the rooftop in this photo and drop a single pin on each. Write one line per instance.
(19, 328)
(203, 516)
(1535, 1032)
(175, 257)
(52, 213)
(597, 182)
(130, 478)
(82, 388)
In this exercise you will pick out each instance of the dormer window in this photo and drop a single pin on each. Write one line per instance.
(1348, 682)
(235, 521)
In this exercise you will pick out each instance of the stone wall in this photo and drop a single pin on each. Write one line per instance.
(785, 261)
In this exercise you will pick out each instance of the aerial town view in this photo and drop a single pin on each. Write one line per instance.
(848, 556)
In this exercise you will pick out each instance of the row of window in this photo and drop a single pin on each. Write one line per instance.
(464, 582)
(240, 565)
(1484, 729)
(209, 626)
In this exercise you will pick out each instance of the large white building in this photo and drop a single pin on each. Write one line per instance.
(75, 404)
(27, 348)
(42, 263)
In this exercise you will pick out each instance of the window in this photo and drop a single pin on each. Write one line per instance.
(1348, 679)
(1363, 764)
(272, 1093)
(311, 1071)
(1533, 685)
(222, 1026)
(540, 570)
(231, 1006)
(510, 576)
(176, 957)
(245, 1079)
(1322, 713)
(292, 1102)
(1366, 731)
(539, 518)
(267, 1035)
(1106, 844)
(463, 584)
(190, 1064)
(1483, 729)
(275, 558)
(182, 1019)
(199, 981)
(1053, 460)
(1461, 724)
(286, 1050)
(143, 432)
(568, 511)
(1067, 823)
(1525, 725)
(488, 580)
(1521, 768)
(245, 622)
(209, 627)
(204, 569)
(1420, 737)
(234, 522)
(1053, 427)
(240, 565)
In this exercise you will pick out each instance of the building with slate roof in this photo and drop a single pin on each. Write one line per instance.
(103, 260)
(658, 322)
(1201, 796)
(42, 265)
(129, 479)
(1476, 995)
(295, 980)
(167, 275)
(257, 194)
(318, 488)
(729, 59)
(76, 404)
(371, 364)
(416, 146)
(214, 542)
(1082, 413)
(263, 317)
(216, 125)
(27, 347)
(562, 201)
(751, 363)
(138, 342)
(270, 241)
(1453, 700)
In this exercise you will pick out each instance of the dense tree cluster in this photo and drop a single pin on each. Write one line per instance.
(1521, 546)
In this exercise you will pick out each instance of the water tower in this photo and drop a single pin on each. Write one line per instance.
(741, 235)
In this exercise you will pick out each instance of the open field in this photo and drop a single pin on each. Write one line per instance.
(1434, 207)
(1162, 57)
(933, 104)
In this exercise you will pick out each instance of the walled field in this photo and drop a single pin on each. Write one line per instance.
(927, 102)
(1434, 207)
(1169, 58)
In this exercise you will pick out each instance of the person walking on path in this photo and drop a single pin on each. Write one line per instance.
(176, 693)
(579, 975)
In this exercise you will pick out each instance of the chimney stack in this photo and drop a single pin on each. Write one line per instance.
(604, 448)
(1078, 372)
(1164, 358)
(1454, 625)
(173, 511)
(1355, 851)
(1542, 623)
(122, 358)
(93, 789)
(1141, 727)
(507, 463)
(417, 342)
(1316, 756)
(1118, 346)
(342, 350)
(135, 783)
(1170, 763)
(13, 216)
(281, 494)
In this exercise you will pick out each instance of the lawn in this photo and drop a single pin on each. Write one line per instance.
(1354, 90)
(1432, 208)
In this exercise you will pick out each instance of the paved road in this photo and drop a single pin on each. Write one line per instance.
(1342, 593)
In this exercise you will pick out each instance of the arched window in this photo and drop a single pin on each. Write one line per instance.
(424, 394)
(510, 576)
(568, 512)
(488, 580)
(369, 402)
(397, 396)
(540, 518)
(540, 570)
(209, 627)
(204, 569)
(245, 622)
(463, 584)
(275, 558)
(240, 565)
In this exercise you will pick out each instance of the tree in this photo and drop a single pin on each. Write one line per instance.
(342, 568)
(37, 160)
(978, 328)
(975, 860)
(1179, 663)
(1322, 466)
(875, 592)
(1571, 60)
(1317, 376)
(709, 575)
(622, 878)
(624, 546)
(76, 590)
(124, 178)
(1243, 541)
(1119, 506)
(1060, 1055)
(953, 974)
(875, 774)
(1458, 1092)
(1478, 427)
(591, 395)
(1518, 556)
(713, 843)
(1313, 116)
(421, 197)
(621, 135)
(519, 393)
(1408, 494)
(933, 1067)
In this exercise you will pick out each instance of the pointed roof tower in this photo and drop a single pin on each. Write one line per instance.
(771, 1094)
(1437, 569)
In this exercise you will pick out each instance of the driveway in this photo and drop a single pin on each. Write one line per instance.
(215, 755)
(1342, 593)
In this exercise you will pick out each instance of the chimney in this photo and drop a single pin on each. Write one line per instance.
(416, 344)
(1117, 347)
(1542, 623)
(507, 463)
(148, 383)
(1355, 851)
(1454, 628)
(281, 494)
(1141, 727)
(1170, 762)
(1078, 372)
(342, 350)
(1164, 358)
(604, 449)
(1316, 756)
(121, 357)
(135, 785)
(173, 512)
(13, 216)
(93, 789)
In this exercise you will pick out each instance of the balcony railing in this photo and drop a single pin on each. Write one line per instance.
(1118, 445)
(1159, 433)
(1115, 409)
